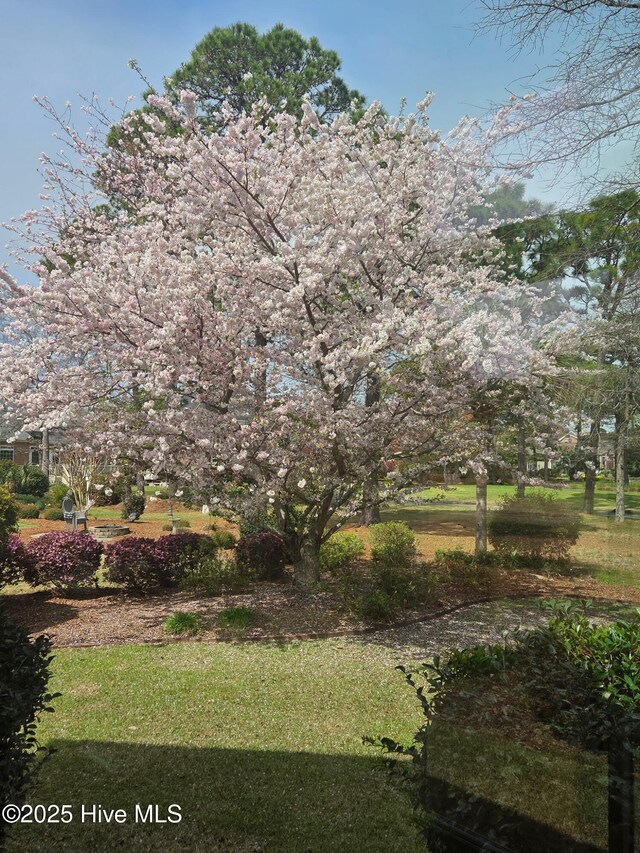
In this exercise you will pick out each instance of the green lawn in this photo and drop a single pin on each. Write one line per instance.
(259, 744)
(573, 494)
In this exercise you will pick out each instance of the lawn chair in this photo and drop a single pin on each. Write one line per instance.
(73, 516)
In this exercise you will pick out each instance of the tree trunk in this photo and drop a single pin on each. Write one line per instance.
(140, 482)
(546, 469)
(307, 566)
(590, 473)
(371, 507)
(621, 436)
(621, 796)
(370, 490)
(44, 462)
(522, 460)
(481, 515)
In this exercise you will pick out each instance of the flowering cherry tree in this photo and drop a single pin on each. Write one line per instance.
(275, 314)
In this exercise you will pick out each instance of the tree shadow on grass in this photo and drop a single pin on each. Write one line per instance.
(436, 523)
(251, 801)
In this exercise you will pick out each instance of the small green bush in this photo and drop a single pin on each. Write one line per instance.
(386, 591)
(217, 574)
(236, 617)
(55, 494)
(182, 623)
(8, 514)
(52, 514)
(224, 539)
(133, 506)
(28, 511)
(24, 673)
(30, 499)
(537, 527)
(257, 522)
(340, 550)
(393, 543)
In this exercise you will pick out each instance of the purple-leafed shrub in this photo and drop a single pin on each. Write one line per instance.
(135, 562)
(15, 561)
(64, 559)
(265, 553)
(181, 553)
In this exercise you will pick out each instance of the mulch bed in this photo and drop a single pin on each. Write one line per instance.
(108, 616)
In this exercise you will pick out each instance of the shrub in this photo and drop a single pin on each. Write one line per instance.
(257, 522)
(64, 559)
(236, 617)
(264, 553)
(24, 673)
(15, 561)
(134, 562)
(112, 493)
(339, 551)
(182, 623)
(55, 494)
(52, 514)
(28, 511)
(217, 575)
(538, 527)
(393, 544)
(30, 499)
(387, 590)
(224, 539)
(8, 513)
(133, 506)
(181, 553)
(178, 523)
(33, 481)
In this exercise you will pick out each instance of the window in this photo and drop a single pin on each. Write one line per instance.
(6, 453)
(34, 455)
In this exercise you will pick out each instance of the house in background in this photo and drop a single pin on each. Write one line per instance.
(30, 448)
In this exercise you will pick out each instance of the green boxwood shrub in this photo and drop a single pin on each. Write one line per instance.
(55, 494)
(133, 506)
(537, 528)
(219, 575)
(224, 539)
(339, 551)
(52, 514)
(30, 499)
(24, 674)
(28, 511)
(393, 544)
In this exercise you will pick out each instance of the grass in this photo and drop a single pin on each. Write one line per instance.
(573, 494)
(260, 745)
(236, 617)
(182, 623)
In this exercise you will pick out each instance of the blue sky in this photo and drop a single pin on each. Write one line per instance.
(389, 50)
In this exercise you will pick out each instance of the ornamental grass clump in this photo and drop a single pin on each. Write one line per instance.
(64, 560)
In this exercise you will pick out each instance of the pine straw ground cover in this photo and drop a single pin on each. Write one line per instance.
(607, 566)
